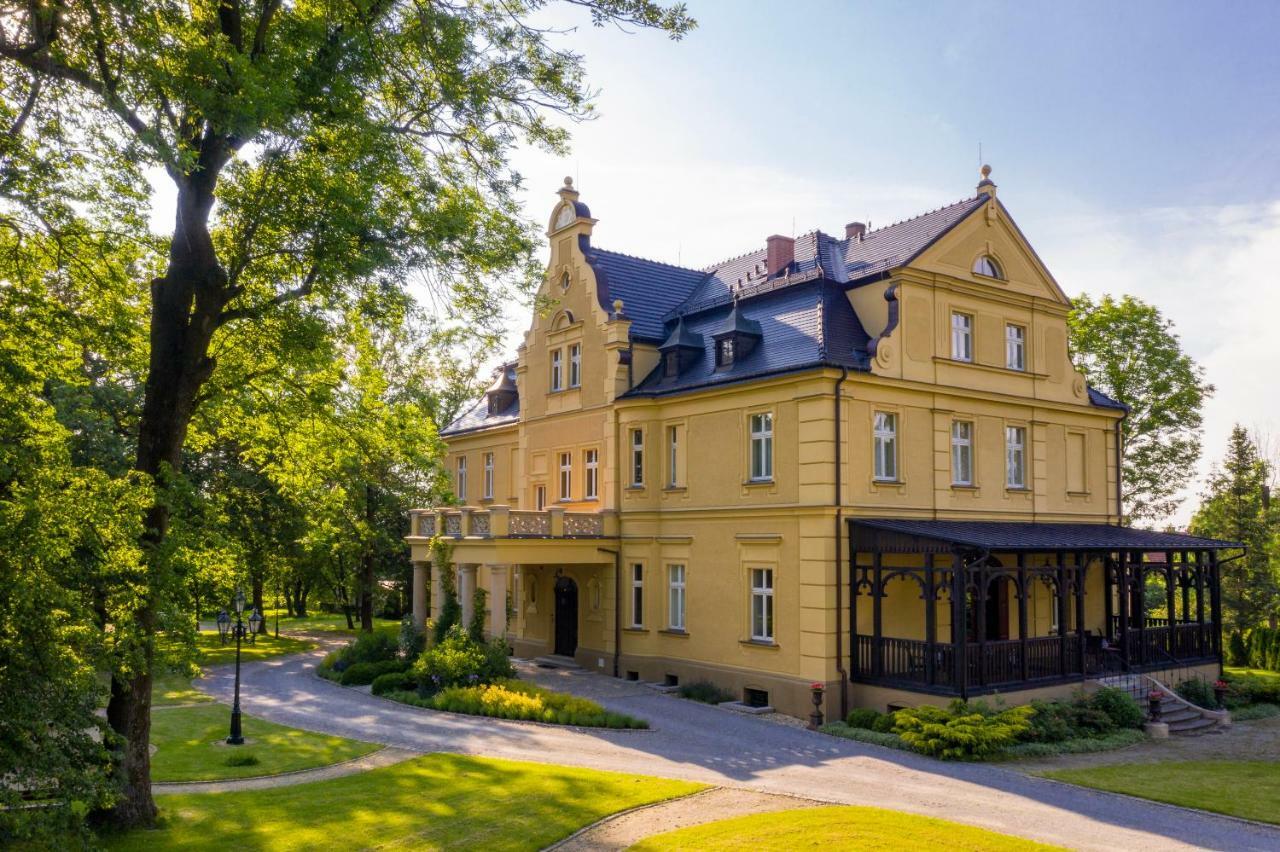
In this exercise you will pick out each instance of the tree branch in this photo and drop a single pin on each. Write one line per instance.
(300, 292)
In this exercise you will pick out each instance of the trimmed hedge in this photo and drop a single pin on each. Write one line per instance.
(360, 674)
(961, 732)
(1256, 648)
(705, 691)
(393, 682)
(864, 735)
(511, 699)
(1077, 745)
(457, 660)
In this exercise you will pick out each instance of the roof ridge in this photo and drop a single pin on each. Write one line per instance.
(649, 260)
(918, 216)
(721, 263)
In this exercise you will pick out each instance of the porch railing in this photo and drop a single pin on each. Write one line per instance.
(505, 522)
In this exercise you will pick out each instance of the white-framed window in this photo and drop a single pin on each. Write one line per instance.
(885, 446)
(673, 456)
(961, 453)
(460, 484)
(637, 595)
(762, 446)
(575, 365)
(591, 462)
(566, 476)
(540, 497)
(637, 457)
(676, 597)
(1015, 347)
(961, 336)
(762, 604)
(986, 265)
(557, 370)
(1015, 451)
(488, 476)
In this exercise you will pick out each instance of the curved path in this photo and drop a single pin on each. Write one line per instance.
(382, 757)
(701, 743)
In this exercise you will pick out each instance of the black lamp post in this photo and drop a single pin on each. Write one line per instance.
(255, 622)
(224, 625)
(237, 738)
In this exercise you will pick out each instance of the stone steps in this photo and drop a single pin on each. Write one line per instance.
(1182, 717)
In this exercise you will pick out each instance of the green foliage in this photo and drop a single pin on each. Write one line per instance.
(511, 699)
(458, 660)
(1252, 712)
(475, 629)
(359, 674)
(450, 606)
(1120, 738)
(1237, 650)
(1129, 351)
(399, 681)
(1198, 693)
(960, 733)
(1259, 648)
(1246, 688)
(412, 639)
(705, 691)
(864, 735)
(863, 717)
(884, 724)
(367, 648)
(246, 758)
(1119, 705)
(1232, 507)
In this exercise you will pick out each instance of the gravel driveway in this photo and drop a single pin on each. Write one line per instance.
(701, 743)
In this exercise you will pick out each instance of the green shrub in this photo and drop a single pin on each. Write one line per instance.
(862, 717)
(1246, 688)
(242, 758)
(960, 735)
(1078, 745)
(511, 699)
(1198, 693)
(457, 660)
(360, 674)
(862, 735)
(1052, 722)
(1119, 705)
(705, 691)
(392, 682)
(883, 724)
(412, 641)
(373, 648)
(1251, 712)
(1237, 651)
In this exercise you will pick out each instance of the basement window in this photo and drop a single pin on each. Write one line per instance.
(671, 680)
(755, 697)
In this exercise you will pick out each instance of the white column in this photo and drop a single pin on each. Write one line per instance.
(497, 601)
(437, 588)
(467, 591)
(419, 595)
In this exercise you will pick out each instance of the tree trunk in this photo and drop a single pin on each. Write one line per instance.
(185, 306)
(256, 581)
(301, 601)
(366, 574)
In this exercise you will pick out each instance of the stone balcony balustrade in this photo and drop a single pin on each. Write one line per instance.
(464, 522)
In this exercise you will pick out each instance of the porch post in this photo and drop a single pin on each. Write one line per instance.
(1215, 600)
(1108, 589)
(1201, 644)
(930, 621)
(855, 649)
(1082, 575)
(438, 568)
(1170, 598)
(1184, 581)
(980, 620)
(498, 601)
(1061, 603)
(466, 592)
(419, 595)
(1022, 615)
(1122, 580)
(958, 625)
(877, 620)
(1139, 595)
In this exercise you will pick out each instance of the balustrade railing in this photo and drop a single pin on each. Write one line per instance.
(504, 522)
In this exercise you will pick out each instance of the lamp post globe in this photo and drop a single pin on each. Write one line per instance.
(255, 622)
(239, 603)
(224, 625)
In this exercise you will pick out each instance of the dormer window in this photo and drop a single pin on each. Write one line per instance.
(671, 364)
(986, 266)
(681, 350)
(724, 352)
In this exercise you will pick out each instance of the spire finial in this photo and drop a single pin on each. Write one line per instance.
(568, 181)
(986, 171)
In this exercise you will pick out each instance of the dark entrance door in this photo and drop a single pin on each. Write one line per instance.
(566, 617)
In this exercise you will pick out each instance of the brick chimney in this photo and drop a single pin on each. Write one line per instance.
(782, 251)
(855, 230)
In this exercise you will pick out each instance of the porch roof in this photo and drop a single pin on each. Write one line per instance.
(898, 534)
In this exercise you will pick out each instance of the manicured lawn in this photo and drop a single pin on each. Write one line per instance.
(326, 623)
(1241, 788)
(835, 828)
(169, 687)
(188, 746)
(434, 802)
(211, 652)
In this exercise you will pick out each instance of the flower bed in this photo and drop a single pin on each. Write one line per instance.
(512, 699)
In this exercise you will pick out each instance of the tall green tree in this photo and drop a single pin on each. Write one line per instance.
(321, 151)
(1130, 352)
(1235, 506)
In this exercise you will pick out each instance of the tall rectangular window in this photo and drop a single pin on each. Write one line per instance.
(637, 457)
(1015, 449)
(557, 370)
(460, 486)
(575, 365)
(676, 600)
(961, 337)
(488, 476)
(591, 489)
(762, 604)
(1015, 347)
(673, 456)
(961, 453)
(885, 446)
(566, 476)
(637, 595)
(762, 446)
(540, 497)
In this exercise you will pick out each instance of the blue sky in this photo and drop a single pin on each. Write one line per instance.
(1136, 144)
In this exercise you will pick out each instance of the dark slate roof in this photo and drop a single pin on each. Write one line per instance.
(648, 289)
(681, 336)
(803, 326)
(476, 416)
(1101, 400)
(1010, 535)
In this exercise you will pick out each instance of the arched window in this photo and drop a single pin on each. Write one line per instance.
(986, 265)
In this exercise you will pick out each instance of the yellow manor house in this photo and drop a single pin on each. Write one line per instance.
(863, 461)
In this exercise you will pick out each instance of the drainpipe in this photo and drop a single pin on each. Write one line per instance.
(1120, 470)
(844, 675)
